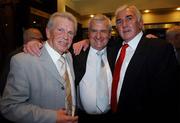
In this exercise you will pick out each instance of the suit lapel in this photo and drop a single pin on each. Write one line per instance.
(48, 65)
(84, 57)
(137, 60)
(111, 56)
(79, 63)
(134, 67)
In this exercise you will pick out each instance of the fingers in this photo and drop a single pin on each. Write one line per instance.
(85, 47)
(72, 119)
(77, 47)
(151, 36)
(36, 49)
(81, 45)
(33, 48)
(62, 117)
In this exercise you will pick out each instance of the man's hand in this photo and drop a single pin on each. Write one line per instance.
(33, 47)
(62, 117)
(81, 45)
(151, 36)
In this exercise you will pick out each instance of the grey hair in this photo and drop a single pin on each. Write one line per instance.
(131, 7)
(100, 17)
(66, 15)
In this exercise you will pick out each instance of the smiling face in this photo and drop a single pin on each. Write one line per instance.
(128, 24)
(99, 34)
(61, 34)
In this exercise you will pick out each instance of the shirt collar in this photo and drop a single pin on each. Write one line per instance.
(94, 51)
(53, 53)
(135, 41)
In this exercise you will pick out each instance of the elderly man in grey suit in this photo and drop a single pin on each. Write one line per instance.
(36, 90)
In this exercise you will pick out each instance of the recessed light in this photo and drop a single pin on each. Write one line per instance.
(178, 8)
(147, 10)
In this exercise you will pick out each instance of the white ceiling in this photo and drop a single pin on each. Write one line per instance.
(86, 7)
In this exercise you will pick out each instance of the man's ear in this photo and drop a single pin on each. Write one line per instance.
(47, 33)
(141, 23)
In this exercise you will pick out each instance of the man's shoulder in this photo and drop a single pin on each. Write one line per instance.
(23, 57)
(155, 42)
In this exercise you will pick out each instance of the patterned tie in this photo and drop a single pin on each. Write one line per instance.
(101, 85)
(68, 98)
(116, 77)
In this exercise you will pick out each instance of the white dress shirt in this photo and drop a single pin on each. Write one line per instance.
(55, 57)
(87, 85)
(129, 53)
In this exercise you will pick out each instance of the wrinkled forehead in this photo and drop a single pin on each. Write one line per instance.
(124, 13)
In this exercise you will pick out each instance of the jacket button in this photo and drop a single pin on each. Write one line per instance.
(62, 87)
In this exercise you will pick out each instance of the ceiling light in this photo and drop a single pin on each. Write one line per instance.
(34, 22)
(147, 10)
(91, 16)
(178, 8)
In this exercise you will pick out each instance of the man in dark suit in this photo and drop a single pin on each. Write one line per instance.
(86, 73)
(148, 88)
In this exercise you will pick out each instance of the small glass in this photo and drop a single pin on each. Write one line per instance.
(71, 110)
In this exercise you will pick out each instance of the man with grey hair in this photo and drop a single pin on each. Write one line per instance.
(90, 83)
(148, 85)
(36, 88)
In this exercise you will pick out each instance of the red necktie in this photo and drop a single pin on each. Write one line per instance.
(116, 77)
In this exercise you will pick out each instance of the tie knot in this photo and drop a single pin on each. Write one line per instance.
(62, 59)
(125, 46)
(100, 53)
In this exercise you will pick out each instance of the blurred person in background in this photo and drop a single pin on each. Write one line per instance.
(29, 34)
(173, 36)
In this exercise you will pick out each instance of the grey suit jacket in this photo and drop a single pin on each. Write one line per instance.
(34, 89)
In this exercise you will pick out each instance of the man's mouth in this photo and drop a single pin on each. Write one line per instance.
(126, 31)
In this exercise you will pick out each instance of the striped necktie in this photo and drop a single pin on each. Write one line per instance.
(68, 98)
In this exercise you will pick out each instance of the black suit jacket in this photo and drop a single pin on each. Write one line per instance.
(150, 90)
